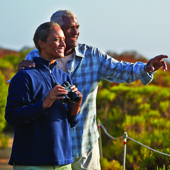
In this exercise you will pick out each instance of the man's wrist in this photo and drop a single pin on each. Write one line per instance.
(147, 69)
(78, 104)
(44, 104)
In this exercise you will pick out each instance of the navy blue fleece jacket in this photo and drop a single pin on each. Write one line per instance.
(41, 137)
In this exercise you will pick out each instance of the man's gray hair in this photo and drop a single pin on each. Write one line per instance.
(42, 33)
(58, 16)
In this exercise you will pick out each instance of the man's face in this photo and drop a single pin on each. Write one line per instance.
(55, 45)
(70, 28)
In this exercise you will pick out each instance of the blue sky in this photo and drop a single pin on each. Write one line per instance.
(112, 25)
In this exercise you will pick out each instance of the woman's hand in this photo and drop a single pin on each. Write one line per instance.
(54, 94)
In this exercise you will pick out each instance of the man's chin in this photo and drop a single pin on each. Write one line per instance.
(61, 56)
(73, 44)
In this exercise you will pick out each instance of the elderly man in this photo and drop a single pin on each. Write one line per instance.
(87, 66)
(42, 123)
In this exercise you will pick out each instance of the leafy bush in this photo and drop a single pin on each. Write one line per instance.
(156, 160)
(3, 96)
(110, 165)
(141, 111)
(4, 140)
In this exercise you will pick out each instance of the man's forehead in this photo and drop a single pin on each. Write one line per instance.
(69, 20)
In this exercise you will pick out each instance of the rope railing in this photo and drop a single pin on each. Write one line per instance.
(148, 147)
(108, 134)
(125, 136)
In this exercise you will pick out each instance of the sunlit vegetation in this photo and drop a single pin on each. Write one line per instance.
(141, 111)
(8, 68)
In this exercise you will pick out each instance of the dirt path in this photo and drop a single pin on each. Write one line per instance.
(5, 154)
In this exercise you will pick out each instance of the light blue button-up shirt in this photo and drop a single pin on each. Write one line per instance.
(87, 68)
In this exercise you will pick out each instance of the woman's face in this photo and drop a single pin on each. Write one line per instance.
(55, 45)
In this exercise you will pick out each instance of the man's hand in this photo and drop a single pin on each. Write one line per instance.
(74, 89)
(76, 106)
(155, 63)
(25, 63)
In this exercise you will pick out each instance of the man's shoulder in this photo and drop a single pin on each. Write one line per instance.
(82, 49)
(88, 50)
(85, 46)
(32, 54)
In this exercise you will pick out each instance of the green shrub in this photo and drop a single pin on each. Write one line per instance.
(156, 160)
(4, 140)
(141, 111)
(3, 97)
(110, 165)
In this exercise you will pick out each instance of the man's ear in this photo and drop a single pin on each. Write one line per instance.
(41, 44)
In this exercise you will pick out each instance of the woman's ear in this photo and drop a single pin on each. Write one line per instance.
(41, 44)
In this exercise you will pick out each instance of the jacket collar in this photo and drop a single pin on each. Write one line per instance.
(42, 63)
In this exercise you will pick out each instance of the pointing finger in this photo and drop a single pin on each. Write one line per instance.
(164, 65)
(161, 57)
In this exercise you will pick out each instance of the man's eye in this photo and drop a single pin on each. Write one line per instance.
(68, 28)
(57, 39)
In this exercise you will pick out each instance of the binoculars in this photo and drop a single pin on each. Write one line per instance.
(71, 95)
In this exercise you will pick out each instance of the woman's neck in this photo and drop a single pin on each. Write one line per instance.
(46, 58)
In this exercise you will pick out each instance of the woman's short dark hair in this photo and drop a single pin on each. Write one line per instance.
(42, 32)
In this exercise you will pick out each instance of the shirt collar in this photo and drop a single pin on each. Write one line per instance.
(78, 52)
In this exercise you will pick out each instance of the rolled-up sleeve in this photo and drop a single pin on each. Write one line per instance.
(121, 72)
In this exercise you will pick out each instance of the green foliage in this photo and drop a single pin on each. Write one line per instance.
(161, 78)
(24, 52)
(110, 165)
(7, 69)
(4, 140)
(9, 63)
(156, 161)
(3, 95)
(15, 60)
(141, 111)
